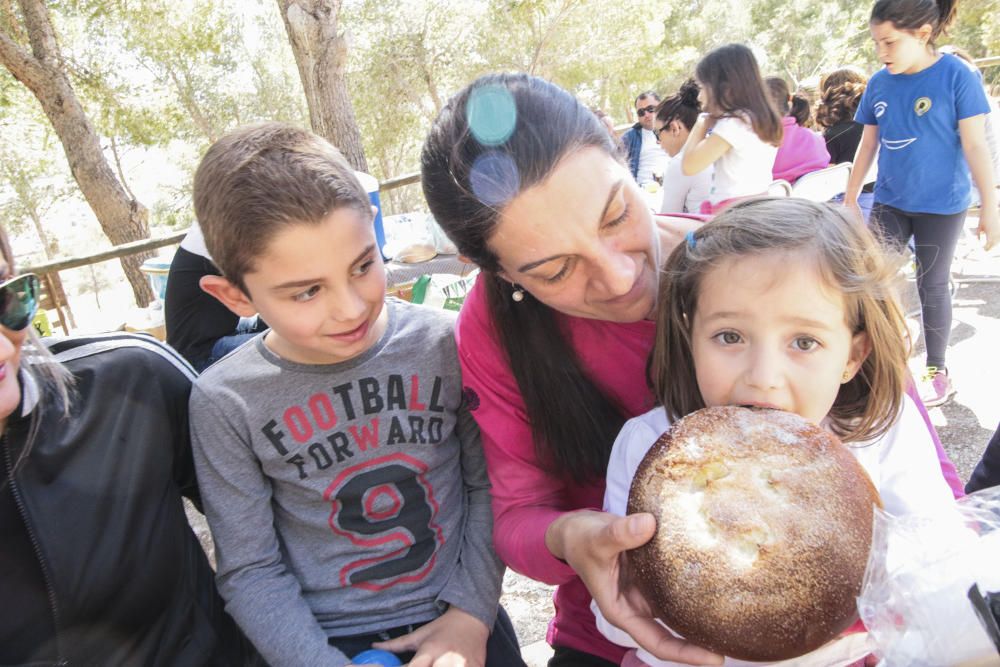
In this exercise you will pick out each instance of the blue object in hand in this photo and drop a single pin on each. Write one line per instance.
(374, 656)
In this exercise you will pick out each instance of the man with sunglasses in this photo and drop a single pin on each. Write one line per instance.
(645, 156)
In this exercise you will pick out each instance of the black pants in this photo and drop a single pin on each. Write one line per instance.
(570, 657)
(987, 472)
(934, 240)
(502, 648)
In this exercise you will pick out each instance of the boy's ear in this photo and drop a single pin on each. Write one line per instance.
(231, 296)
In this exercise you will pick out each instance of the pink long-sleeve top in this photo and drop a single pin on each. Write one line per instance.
(526, 498)
(801, 152)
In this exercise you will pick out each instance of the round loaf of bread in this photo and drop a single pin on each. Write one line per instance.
(764, 524)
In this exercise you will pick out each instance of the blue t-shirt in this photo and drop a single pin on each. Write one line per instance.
(921, 167)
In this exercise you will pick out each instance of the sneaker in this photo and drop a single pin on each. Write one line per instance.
(935, 387)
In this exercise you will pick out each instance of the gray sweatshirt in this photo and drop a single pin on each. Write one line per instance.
(349, 498)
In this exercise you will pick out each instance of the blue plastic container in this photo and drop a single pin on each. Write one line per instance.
(373, 656)
(370, 184)
(156, 270)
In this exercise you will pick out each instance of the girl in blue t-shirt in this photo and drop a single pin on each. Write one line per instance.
(926, 112)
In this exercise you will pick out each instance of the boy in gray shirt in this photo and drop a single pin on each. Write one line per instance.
(341, 472)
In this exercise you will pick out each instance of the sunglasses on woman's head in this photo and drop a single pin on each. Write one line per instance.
(642, 111)
(18, 301)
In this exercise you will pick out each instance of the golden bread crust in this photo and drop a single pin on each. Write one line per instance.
(763, 531)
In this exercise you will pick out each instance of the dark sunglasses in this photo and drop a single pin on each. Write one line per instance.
(18, 301)
(656, 132)
(645, 110)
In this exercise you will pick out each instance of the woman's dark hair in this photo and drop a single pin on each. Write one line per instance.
(914, 14)
(840, 95)
(683, 106)
(499, 136)
(735, 87)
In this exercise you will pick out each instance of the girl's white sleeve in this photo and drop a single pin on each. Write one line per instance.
(909, 476)
(631, 445)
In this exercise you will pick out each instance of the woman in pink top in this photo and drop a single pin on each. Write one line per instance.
(553, 339)
(801, 150)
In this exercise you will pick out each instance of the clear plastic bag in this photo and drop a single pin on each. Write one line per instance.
(915, 597)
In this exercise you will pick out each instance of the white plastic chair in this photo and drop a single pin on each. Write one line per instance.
(824, 184)
(780, 188)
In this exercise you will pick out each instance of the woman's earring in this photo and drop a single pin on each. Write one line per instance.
(517, 294)
(846, 377)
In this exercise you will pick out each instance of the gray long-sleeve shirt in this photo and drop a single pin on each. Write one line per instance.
(349, 498)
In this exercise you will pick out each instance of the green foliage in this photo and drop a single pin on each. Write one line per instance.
(176, 74)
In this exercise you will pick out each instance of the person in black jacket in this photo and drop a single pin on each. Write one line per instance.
(198, 326)
(98, 564)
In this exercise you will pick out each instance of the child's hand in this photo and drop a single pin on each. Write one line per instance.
(454, 639)
(853, 208)
(593, 543)
(989, 226)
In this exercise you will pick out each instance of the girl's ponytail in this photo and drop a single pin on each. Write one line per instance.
(947, 11)
(912, 14)
(801, 110)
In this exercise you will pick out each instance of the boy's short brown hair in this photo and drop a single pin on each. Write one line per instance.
(260, 178)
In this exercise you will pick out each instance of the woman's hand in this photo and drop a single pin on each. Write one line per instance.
(989, 226)
(453, 639)
(593, 543)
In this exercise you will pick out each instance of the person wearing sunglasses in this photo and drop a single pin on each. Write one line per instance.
(98, 564)
(645, 156)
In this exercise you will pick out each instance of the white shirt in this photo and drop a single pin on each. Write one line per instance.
(194, 242)
(684, 194)
(652, 158)
(745, 169)
(902, 464)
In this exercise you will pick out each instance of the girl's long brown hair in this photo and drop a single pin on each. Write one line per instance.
(735, 88)
(852, 261)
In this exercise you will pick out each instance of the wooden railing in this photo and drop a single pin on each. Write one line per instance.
(54, 266)
(135, 247)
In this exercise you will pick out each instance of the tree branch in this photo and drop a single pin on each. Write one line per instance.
(40, 33)
(20, 62)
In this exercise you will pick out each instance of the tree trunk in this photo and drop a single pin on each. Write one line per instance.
(321, 56)
(122, 218)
